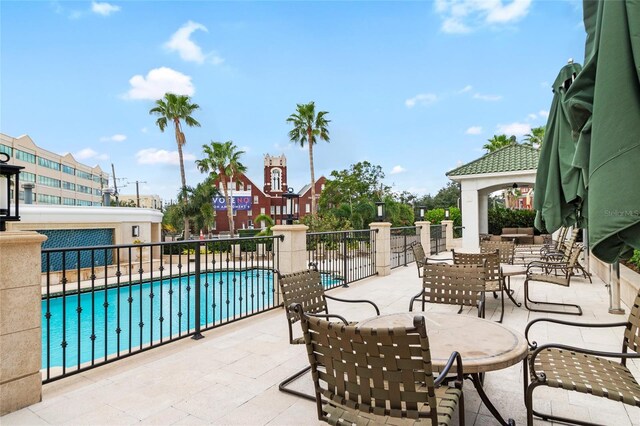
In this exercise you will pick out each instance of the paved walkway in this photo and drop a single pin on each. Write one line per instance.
(231, 376)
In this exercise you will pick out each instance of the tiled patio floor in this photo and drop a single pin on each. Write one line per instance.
(231, 376)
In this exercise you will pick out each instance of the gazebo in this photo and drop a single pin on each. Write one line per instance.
(500, 169)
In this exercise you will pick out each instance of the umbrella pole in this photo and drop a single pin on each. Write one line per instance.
(614, 290)
(587, 252)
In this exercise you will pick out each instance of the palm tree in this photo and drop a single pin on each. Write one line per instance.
(499, 141)
(307, 127)
(222, 162)
(535, 138)
(268, 222)
(177, 108)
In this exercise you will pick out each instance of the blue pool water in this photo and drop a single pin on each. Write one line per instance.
(130, 317)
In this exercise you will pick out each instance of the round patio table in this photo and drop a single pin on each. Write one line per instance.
(483, 345)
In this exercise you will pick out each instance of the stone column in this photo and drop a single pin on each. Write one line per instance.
(448, 233)
(20, 320)
(425, 236)
(470, 218)
(293, 249)
(483, 213)
(383, 247)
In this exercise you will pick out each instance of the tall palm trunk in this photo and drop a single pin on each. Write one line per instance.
(225, 188)
(313, 180)
(183, 178)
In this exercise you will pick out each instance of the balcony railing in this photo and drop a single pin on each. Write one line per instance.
(438, 238)
(401, 240)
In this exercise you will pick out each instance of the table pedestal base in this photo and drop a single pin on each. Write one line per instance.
(477, 383)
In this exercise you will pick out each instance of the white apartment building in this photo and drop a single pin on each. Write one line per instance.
(58, 179)
(146, 201)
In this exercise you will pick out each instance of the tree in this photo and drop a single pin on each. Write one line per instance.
(307, 128)
(222, 162)
(535, 138)
(268, 224)
(361, 182)
(448, 196)
(499, 141)
(176, 109)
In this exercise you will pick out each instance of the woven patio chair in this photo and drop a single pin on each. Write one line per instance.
(379, 375)
(493, 279)
(584, 370)
(462, 285)
(421, 258)
(305, 287)
(558, 273)
(506, 249)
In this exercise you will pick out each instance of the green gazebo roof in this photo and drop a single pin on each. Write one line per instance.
(510, 158)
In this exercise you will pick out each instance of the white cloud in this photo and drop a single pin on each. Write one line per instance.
(115, 138)
(89, 154)
(532, 116)
(543, 113)
(158, 82)
(161, 156)
(517, 129)
(465, 89)
(422, 99)
(104, 9)
(397, 169)
(488, 98)
(465, 16)
(474, 130)
(144, 130)
(181, 42)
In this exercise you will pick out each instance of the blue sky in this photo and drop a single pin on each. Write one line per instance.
(415, 87)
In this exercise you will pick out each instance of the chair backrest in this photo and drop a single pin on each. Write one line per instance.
(375, 371)
(418, 255)
(632, 332)
(506, 249)
(566, 246)
(305, 288)
(454, 284)
(491, 260)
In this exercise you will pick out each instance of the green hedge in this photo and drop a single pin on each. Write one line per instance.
(506, 218)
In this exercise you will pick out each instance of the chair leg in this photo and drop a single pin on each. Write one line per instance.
(283, 385)
(545, 416)
(501, 304)
(528, 303)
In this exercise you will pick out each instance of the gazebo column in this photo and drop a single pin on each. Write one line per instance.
(483, 213)
(470, 218)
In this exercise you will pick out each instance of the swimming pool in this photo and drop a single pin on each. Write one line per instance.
(93, 326)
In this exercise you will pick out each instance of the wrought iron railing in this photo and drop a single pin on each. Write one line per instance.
(438, 238)
(104, 303)
(457, 231)
(401, 240)
(344, 256)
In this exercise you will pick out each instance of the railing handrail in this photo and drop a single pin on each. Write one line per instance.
(340, 232)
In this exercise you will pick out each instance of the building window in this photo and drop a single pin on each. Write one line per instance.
(262, 210)
(25, 156)
(6, 149)
(68, 169)
(68, 185)
(48, 199)
(84, 189)
(275, 179)
(47, 181)
(307, 208)
(68, 201)
(249, 213)
(83, 203)
(105, 182)
(96, 178)
(83, 175)
(322, 187)
(248, 187)
(97, 192)
(255, 199)
(273, 210)
(277, 209)
(250, 224)
(27, 177)
(44, 162)
(241, 186)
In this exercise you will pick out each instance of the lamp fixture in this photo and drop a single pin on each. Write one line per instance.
(380, 211)
(9, 191)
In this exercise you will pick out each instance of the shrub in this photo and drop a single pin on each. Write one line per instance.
(507, 218)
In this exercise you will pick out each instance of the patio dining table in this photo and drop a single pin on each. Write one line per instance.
(483, 345)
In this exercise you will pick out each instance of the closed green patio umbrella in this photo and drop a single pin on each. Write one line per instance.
(604, 110)
(556, 199)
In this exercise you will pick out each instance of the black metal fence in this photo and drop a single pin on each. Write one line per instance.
(344, 256)
(401, 240)
(438, 238)
(135, 297)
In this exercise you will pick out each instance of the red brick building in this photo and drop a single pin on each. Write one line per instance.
(250, 201)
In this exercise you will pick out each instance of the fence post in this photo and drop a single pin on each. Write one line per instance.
(197, 335)
(383, 247)
(345, 252)
(293, 249)
(448, 234)
(20, 320)
(425, 236)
